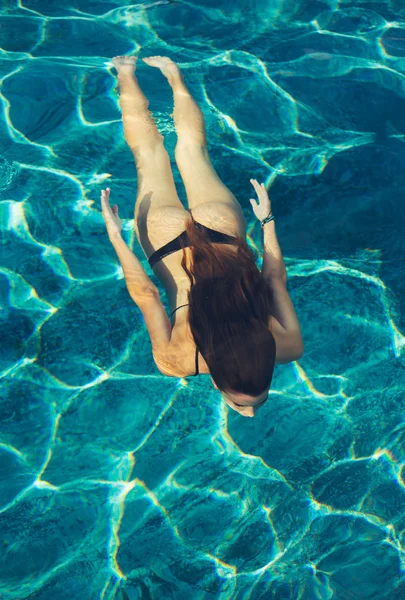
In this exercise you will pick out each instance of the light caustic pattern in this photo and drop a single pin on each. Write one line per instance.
(118, 482)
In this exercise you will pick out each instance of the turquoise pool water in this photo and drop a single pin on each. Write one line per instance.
(117, 482)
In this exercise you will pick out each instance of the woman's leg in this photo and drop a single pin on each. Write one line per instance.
(159, 213)
(211, 202)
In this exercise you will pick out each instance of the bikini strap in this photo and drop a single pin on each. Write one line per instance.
(196, 349)
(196, 361)
(178, 308)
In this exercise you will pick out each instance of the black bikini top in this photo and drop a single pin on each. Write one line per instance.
(196, 351)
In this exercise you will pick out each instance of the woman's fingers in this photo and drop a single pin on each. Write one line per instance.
(260, 188)
(105, 195)
(108, 212)
(256, 184)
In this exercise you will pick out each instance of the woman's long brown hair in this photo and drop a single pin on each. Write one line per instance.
(229, 313)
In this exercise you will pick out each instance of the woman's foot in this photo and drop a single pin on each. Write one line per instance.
(125, 65)
(165, 64)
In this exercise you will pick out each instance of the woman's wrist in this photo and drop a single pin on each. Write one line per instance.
(115, 237)
(268, 219)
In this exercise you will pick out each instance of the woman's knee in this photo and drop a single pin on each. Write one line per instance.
(147, 151)
(190, 149)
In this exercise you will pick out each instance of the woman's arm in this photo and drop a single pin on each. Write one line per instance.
(141, 289)
(138, 283)
(273, 262)
(283, 322)
(273, 268)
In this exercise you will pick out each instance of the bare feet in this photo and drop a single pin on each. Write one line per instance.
(164, 63)
(125, 65)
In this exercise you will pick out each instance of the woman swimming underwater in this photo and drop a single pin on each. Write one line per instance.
(229, 319)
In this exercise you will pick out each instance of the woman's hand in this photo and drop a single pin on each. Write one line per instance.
(110, 215)
(263, 208)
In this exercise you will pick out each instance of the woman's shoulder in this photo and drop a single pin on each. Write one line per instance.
(181, 354)
(173, 359)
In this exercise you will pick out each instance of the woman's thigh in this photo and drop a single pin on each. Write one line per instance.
(212, 204)
(159, 213)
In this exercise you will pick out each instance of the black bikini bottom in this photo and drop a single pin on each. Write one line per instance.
(182, 241)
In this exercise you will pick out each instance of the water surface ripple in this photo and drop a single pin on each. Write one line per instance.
(116, 481)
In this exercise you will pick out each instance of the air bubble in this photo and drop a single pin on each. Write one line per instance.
(8, 173)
